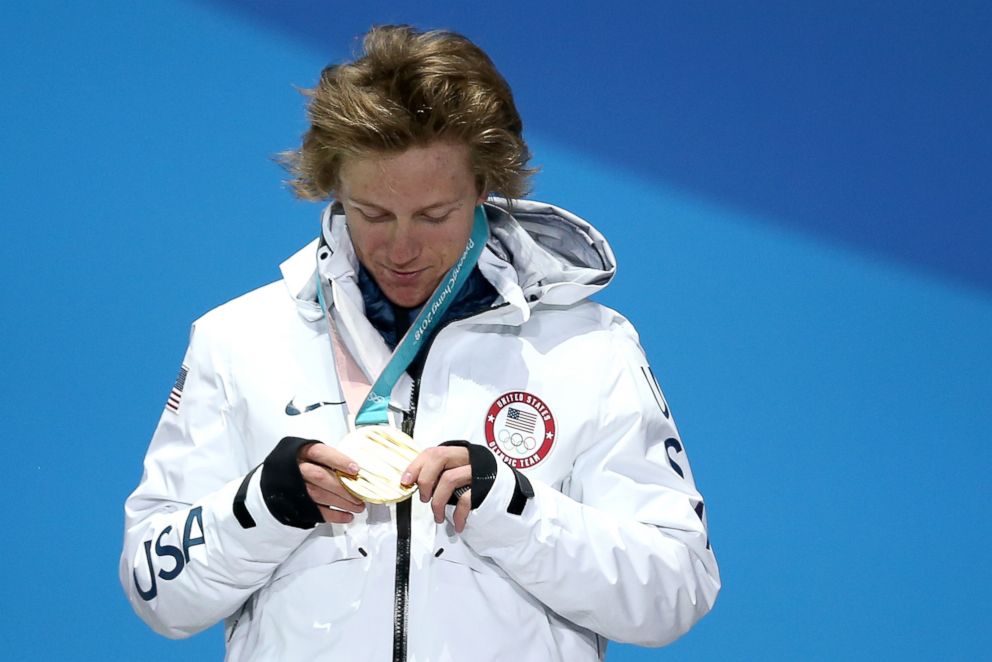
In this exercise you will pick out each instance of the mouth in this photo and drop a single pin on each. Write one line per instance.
(404, 276)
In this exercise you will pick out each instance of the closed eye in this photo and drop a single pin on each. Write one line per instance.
(373, 216)
(436, 219)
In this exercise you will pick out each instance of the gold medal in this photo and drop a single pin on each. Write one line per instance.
(383, 453)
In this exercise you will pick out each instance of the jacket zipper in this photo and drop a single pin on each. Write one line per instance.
(401, 587)
(401, 592)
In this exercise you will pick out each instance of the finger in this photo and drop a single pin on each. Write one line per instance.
(453, 456)
(335, 516)
(449, 481)
(436, 461)
(431, 464)
(412, 472)
(462, 510)
(323, 478)
(323, 497)
(329, 457)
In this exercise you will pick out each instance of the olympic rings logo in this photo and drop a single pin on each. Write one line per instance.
(519, 442)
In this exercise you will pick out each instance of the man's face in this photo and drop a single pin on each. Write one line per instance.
(410, 215)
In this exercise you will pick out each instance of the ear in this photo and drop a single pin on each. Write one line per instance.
(483, 196)
(482, 185)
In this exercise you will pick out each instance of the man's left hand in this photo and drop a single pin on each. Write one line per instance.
(438, 472)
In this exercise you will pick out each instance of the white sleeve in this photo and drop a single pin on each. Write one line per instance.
(624, 550)
(190, 557)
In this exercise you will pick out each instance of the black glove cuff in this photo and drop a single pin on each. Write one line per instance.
(483, 464)
(283, 488)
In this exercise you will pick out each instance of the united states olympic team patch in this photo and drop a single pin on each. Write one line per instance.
(520, 429)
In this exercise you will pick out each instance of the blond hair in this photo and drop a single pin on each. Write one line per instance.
(409, 88)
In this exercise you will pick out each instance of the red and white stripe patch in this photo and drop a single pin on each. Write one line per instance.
(176, 394)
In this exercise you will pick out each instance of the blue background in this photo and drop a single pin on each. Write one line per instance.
(798, 196)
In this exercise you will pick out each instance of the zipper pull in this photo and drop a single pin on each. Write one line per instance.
(410, 417)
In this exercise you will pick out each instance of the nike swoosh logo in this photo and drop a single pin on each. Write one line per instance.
(292, 410)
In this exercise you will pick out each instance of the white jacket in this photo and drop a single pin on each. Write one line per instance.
(613, 544)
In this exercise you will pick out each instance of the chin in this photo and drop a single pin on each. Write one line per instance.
(406, 299)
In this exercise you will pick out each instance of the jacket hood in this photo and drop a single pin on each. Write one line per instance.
(536, 253)
(558, 258)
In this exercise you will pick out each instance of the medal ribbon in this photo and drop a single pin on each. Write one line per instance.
(374, 409)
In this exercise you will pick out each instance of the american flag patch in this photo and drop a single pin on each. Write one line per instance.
(177, 391)
(521, 420)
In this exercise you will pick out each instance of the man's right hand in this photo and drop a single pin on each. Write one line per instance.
(319, 464)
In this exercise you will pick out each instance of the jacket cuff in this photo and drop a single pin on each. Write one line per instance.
(483, 464)
(259, 528)
(283, 488)
(509, 513)
(508, 491)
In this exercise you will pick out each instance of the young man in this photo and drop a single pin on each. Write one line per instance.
(554, 505)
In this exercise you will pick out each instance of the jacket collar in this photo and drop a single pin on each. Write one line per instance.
(538, 254)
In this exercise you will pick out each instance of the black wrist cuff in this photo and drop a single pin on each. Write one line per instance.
(240, 509)
(283, 489)
(483, 464)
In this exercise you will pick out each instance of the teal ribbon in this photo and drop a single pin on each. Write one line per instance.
(376, 406)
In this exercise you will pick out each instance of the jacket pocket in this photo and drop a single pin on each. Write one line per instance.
(329, 543)
(448, 547)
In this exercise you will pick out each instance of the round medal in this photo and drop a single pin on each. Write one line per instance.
(382, 453)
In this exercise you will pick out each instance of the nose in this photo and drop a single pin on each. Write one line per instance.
(404, 243)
